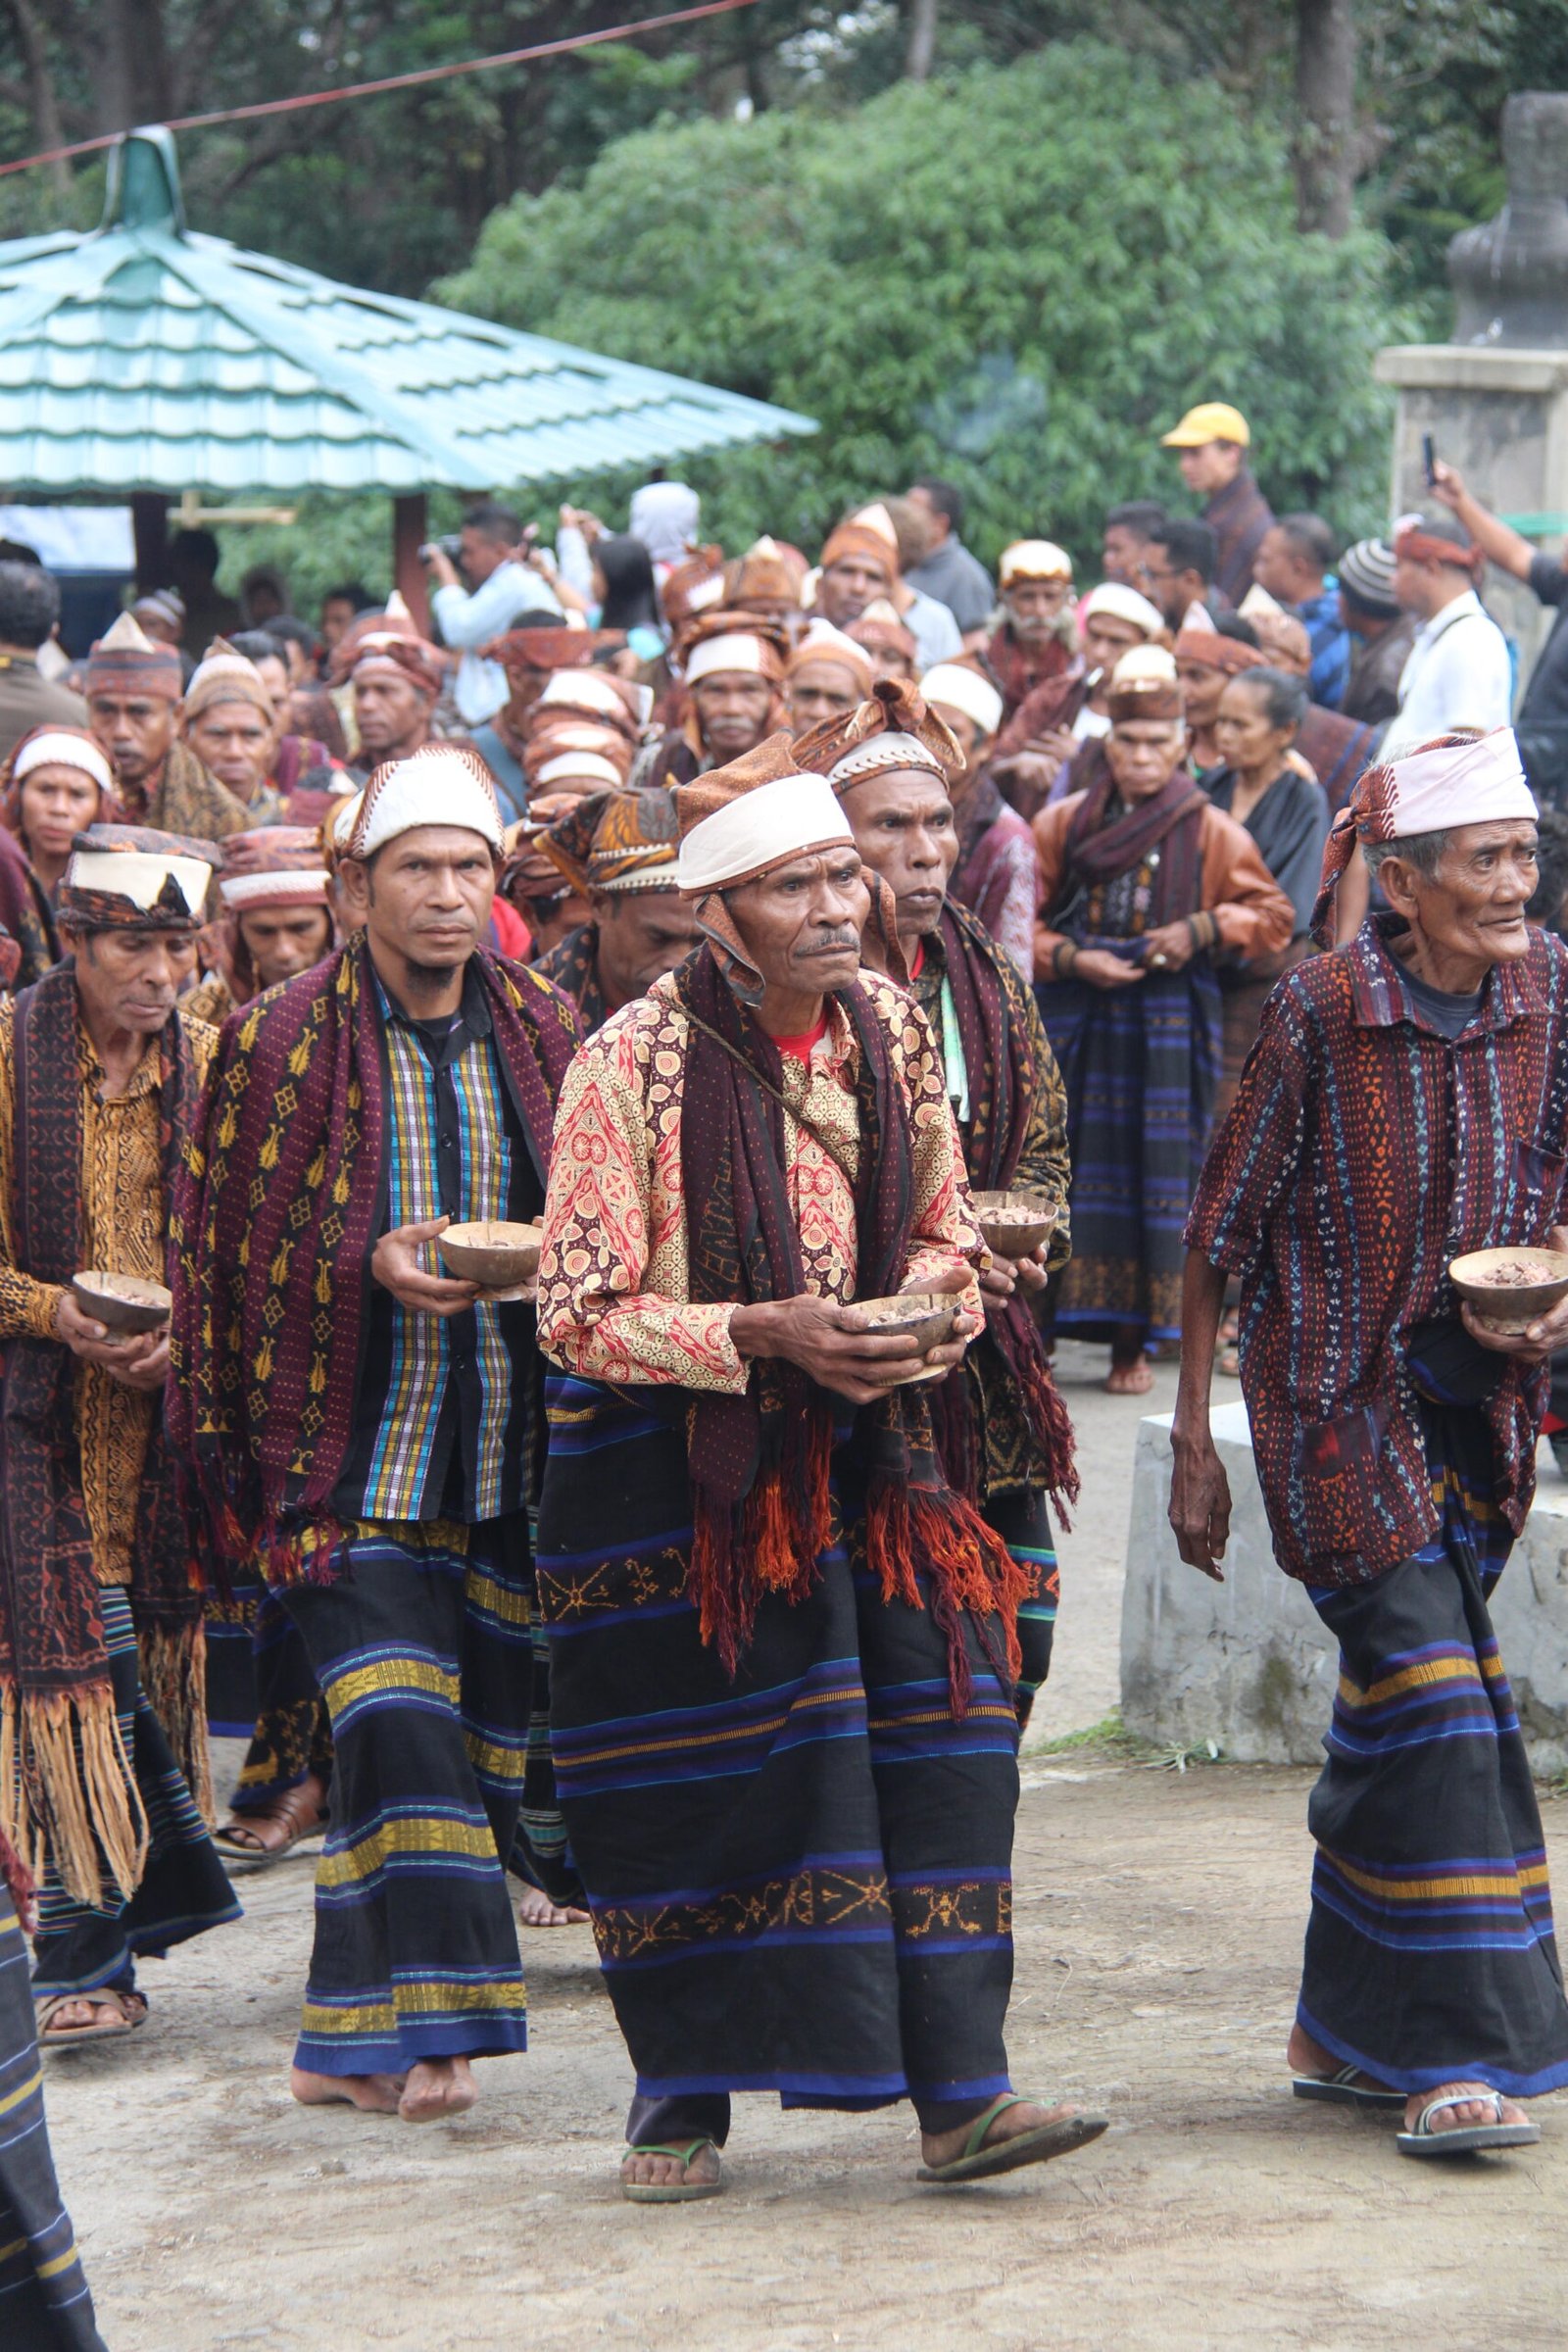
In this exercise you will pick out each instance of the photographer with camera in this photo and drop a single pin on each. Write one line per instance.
(495, 557)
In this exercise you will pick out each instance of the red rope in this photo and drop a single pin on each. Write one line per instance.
(396, 82)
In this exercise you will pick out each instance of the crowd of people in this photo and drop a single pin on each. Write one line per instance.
(748, 926)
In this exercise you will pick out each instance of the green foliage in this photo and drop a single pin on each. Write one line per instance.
(1014, 277)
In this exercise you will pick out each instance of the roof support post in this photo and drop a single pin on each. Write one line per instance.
(149, 524)
(409, 534)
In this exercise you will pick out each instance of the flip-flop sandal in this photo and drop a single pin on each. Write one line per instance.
(1346, 2088)
(980, 2163)
(103, 1996)
(1466, 2139)
(672, 2192)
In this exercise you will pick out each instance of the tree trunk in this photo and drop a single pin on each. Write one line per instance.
(1325, 95)
(45, 106)
(129, 65)
(922, 40)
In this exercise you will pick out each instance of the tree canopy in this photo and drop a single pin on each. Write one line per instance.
(1016, 278)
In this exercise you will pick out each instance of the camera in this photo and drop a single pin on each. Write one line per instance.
(450, 546)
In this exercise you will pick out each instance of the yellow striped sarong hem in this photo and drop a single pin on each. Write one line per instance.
(420, 1834)
(1426, 1675)
(391, 1674)
(1504, 1883)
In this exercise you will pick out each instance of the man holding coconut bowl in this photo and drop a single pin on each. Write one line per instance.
(1405, 1104)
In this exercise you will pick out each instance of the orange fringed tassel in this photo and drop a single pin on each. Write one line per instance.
(771, 1544)
(174, 1676)
(910, 1533)
(67, 1791)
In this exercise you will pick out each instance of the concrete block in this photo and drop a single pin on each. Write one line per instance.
(1247, 1663)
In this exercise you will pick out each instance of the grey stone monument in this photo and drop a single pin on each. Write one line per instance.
(1495, 398)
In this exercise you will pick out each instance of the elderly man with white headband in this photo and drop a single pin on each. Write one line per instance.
(783, 1647)
(1036, 639)
(732, 664)
(102, 1719)
(1406, 1102)
(1034, 752)
(362, 1422)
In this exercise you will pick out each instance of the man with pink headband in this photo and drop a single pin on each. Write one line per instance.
(1407, 1102)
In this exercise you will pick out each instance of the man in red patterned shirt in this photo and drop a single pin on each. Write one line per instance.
(1406, 1102)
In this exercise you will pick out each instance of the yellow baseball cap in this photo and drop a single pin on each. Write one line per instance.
(1210, 421)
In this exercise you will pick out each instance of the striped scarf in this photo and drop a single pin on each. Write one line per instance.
(275, 1222)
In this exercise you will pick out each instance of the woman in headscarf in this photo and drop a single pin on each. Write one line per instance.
(1287, 813)
(57, 783)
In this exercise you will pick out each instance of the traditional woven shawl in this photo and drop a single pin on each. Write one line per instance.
(275, 1219)
(1099, 847)
(572, 966)
(999, 1058)
(73, 1784)
(759, 1462)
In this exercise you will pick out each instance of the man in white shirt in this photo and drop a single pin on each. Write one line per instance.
(1458, 673)
(500, 590)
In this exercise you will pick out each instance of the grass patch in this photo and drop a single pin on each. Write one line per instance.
(1110, 1742)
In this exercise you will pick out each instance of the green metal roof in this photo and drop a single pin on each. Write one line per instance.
(142, 356)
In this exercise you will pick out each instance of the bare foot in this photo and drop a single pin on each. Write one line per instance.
(376, 2094)
(1459, 2109)
(438, 2088)
(940, 2148)
(1304, 2057)
(1132, 1379)
(668, 2172)
(536, 1910)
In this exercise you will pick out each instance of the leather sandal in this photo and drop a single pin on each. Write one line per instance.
(296, 1811)
(130, 2011)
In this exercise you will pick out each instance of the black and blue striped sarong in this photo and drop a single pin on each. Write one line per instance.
(800, 1876)
(421, 1644)
(44, 2302)
(1430, 1953)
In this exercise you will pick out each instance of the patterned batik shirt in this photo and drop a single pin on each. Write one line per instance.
(614, 1299)
(1364, 1151)
(124, 1220)
(438, 1431)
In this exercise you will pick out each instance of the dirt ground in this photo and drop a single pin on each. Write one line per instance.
(1158, 1928)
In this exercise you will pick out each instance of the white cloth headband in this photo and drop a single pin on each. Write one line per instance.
(579, 764)
(879, 755)
(64, 750)
(430, 789)
(1121, 603)
(1475, 783)
(956, 688)
(791, 817)
(738, 651)
(305, 885)
(578, 687)
(139, 875)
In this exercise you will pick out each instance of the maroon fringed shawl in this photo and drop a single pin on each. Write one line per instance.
(759, 1462)
(999, 1055)
(75, 1786)
(276, 1215)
